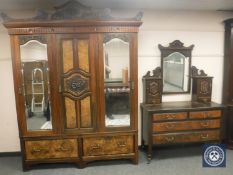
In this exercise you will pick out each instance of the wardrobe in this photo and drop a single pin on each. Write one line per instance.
(228, 80)
(75, 81)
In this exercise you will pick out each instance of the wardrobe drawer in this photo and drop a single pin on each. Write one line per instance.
(108, 145)
(205, 114)
(186, 137)
(169, 116)
(185, 125)
(43, 149)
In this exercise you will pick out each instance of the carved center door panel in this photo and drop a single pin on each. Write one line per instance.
(77, 81)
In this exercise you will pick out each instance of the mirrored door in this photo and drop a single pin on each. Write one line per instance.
(117, 80)
(36, 86)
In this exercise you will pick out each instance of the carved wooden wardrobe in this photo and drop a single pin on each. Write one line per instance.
(74, 101)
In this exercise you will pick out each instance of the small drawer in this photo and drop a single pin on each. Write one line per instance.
(185, 125)
(44, 149)
(205, 114)
(108, 145)
(186, 137)
(169, 116)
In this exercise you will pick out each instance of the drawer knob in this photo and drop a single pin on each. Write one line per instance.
(170, 139)
(204, 124)
(63, 149)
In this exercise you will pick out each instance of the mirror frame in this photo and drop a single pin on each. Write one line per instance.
(177, 46)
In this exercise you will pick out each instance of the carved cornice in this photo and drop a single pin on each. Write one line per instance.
(73, 10)
(177, 44)
(123, 36)
(156, 73)
(197, 73)
(23, 39)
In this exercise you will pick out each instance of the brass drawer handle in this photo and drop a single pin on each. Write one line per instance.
(204, 136)
(170, 139)
(170, 116)
(121, 144)
(39, 150)
(170, 126)
(95, 147)
(63, 149)
(204, 124)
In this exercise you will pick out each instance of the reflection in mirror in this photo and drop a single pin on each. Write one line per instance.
(116, 82)
(176, 64)
(34, 61)
(175, 73)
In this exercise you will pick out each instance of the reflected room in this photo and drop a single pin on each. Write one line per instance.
(116, 81)
(34, 64)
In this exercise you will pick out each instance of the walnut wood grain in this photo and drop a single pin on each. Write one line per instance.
(85, 111)
(170, 116)
(71, 121)
(205, 114)
(185, 125)
(83, 54)
(67, 50)
(51, 149)
(186, 137)
(109, 145)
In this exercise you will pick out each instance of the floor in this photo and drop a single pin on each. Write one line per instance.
(182, 160)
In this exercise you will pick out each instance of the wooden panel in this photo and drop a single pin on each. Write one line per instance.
(86, 112)
(205, 114)
(186, 125)
(44, 149)
(70, 113)
(170, 116)
(67, 50)
(186, 137)
(108, 145)
(83, 55)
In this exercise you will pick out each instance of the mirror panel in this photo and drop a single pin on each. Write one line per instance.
(34, 64)
(116, 80)
(176, 65)
(175, 73)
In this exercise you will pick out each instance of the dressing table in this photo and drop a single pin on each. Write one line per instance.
(180, 122)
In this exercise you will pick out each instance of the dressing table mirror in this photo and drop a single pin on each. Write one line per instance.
(176, 64)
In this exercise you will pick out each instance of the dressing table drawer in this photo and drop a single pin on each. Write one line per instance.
(170, 116)
(185, 125)
(205, 114)
(186, 137)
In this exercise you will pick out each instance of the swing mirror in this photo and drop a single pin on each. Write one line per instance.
(34, 68)
(175, 64)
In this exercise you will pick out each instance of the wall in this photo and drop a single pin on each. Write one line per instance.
(204, 29)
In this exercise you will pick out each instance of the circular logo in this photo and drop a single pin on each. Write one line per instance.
(214, 156)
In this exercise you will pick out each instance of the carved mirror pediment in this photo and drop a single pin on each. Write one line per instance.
(176, 67)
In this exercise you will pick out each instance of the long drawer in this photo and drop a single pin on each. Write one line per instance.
(186, 137)
(44, 149)
(170, 116)
(185, 125)
(205, 114)
(108, 145)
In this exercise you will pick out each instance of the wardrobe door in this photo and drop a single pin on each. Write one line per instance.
(77, 81)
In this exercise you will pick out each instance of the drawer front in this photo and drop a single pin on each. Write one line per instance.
(108, 145)
(186, 137)
(185, 125)
(205, 114)
(45, 149)
(170, 116)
